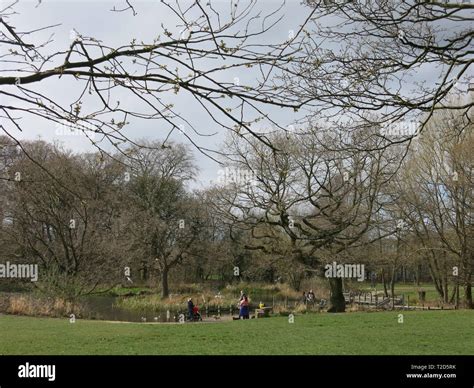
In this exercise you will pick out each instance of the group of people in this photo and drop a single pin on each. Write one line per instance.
(193, 311)
(308, 298)
(244, 308)
(243, 305)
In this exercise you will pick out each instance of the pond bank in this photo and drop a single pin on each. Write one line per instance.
(140, 308)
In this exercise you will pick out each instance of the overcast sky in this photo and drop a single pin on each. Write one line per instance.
(94, 18)
(114, 29)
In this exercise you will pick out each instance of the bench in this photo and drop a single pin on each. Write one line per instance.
(263, 312)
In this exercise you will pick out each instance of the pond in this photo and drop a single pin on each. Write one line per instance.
(105, 308)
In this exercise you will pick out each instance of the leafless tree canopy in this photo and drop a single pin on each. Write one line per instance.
(387, 61)
(201, 60)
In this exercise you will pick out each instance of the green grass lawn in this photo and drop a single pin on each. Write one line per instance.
(423, 332)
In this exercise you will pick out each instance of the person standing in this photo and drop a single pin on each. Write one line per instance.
(311, 297)
(244, 308)
(190, 309)
(373, 279)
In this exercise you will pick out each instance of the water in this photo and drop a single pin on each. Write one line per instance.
(105, 308)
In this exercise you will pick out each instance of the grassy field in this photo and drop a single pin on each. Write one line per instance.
(423, 332)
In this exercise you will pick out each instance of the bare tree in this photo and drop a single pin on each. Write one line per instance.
(436, 198)
(201, 59)
(63, 223)
(386, 63)
(161, 218)
(321, 200)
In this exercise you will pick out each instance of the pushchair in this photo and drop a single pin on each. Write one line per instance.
(196, 314)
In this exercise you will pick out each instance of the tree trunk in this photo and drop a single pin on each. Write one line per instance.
(468, 293)
(453, 295)
(144, 272)
(165, 292)
(418, 274)
(392, 287)
(446, 292)
(337, 304)
(446, 285)
(384, 283)
(457, 296)
(436, 276)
